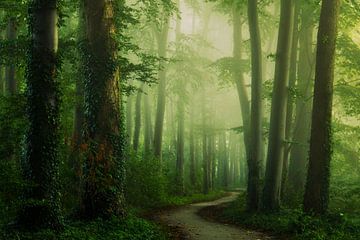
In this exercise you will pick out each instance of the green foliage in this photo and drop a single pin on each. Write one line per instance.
(145, 182)
(129, 228)
(294, 224)
(195, 198)
(225, 67)
(12, 130)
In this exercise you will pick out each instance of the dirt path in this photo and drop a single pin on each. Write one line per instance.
(192, 226)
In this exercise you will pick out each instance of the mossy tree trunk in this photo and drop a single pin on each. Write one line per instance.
(41, 206)
(105, 136)
(273, 174)
(316, 197)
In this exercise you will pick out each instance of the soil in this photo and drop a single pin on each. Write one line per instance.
(186, 223)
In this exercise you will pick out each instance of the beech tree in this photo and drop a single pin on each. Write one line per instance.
(273, 174)
(316, 198)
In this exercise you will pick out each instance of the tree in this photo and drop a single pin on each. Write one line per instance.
(254, 157)
(304, 87)
(148, 133)
(137, 118)
(273, 174)
(162, 41)
(238, 75)
(41, 165)
(10, 74)
(129, 119)
(104, 134)
(290, 101)
(316, 196)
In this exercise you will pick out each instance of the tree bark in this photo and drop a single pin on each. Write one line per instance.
(255, 158)
(136, 138)
(192, 148)
(239, 78)
(147, 124)
(290, 100)
(162, 40)
(180, 119)
(41, 165)
(129, 120)
(316, 196)
(300, 146)
(104, 165)
(271, 192)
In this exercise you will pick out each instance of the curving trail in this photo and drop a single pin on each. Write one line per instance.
(192, 226)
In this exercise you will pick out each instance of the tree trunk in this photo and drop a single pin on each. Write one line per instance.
(300, 147)
(104, 166)
(137, 118)
(192, 149)
(255, 158)
(180, 119)
(41, 166)
(273, 174)
(206, 172)
(290, 100)
(147, 124)
(10, 75)
(239, 78)
(224, 156)
(129, 120)
(316, 197)
(162, 40)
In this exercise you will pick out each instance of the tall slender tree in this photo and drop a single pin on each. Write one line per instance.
(273, 174)
(301, 136)
(316, 196)
(238, 74)
(255, 156)
(136, 138)
(181, 85)
(290, 101)
(162, 41)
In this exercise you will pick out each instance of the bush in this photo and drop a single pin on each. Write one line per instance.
(293, 222)
(129, 228)
(145, 182)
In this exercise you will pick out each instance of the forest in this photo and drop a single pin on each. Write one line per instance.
(179, 119)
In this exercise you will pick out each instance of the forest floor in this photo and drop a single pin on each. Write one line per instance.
(186, 223)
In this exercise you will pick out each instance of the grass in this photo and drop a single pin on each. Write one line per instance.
(131, 228)
(194, 198)
(294, 224)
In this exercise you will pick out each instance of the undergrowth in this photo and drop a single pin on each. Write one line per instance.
(131, 228)
(294, 224)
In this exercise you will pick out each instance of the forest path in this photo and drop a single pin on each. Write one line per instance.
(192, 226)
